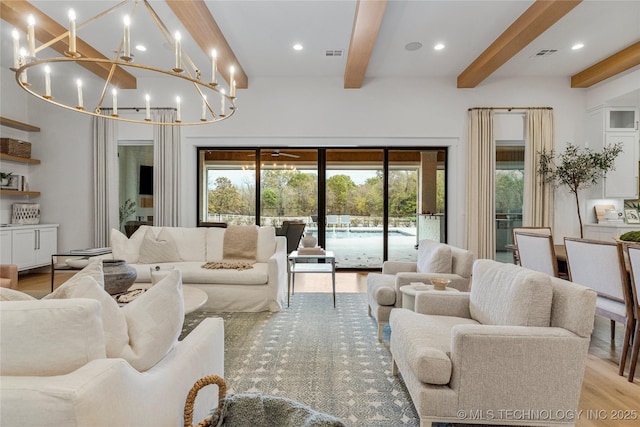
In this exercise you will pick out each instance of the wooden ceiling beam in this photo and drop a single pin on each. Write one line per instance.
(623, 60)
(197, 19)
(366, 24)
(534, 21)
(15, 13)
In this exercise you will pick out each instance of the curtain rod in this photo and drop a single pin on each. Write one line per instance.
(511, 108)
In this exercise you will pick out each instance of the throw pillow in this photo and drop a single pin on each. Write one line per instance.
(52, 337)
(155, 321)
(7, 294)
(125, 248)
(433, 257)
(113, 319)
(158, 249)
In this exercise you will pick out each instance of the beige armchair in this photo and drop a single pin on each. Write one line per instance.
(512, 351)
(434, 260)
(9, 276)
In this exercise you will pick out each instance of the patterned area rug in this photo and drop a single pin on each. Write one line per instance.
(329, 359)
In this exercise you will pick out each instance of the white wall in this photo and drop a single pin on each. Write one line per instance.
(279, 112)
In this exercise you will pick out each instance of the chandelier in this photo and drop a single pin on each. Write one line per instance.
(35, 75)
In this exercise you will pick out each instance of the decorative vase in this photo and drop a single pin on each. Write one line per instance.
(309, 240)
(118, 276)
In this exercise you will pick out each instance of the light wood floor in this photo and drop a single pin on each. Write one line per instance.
(605, 395)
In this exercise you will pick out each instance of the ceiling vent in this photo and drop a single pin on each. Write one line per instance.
(336, 52)
(545, 52)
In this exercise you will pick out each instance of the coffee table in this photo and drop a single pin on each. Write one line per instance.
(194, 298)
(410, 291)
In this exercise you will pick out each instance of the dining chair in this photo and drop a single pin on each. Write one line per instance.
(536, 252)
(634, 266)
(545, 231)
(599, 265)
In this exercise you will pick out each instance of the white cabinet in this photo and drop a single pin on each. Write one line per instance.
(32, 246)
(621, 119)
(607, 232)
(5, 246)
(623, 181)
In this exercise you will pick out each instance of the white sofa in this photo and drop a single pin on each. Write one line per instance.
(58, 368)
(263, 287)
(512, 351)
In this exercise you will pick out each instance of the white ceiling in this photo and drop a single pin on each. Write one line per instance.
(262, 32)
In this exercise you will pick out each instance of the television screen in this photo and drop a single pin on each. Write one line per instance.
(146, 180)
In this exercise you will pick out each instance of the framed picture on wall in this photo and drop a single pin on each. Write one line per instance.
(632, 216)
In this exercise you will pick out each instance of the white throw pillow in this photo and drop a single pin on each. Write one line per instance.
(433, 257)
(155, 321)
(51, 337)
(158, 249)
(7, 294)
(113, 320)
(125, 248)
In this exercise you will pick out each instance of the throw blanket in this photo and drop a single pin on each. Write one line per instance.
(266, 411)
(239, 248)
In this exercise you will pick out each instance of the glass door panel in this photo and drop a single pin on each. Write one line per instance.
(355, 207)
(416, 200)
(229, 180)
(289, 187)
(509, 196)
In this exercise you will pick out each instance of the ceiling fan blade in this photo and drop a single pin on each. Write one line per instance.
(295, 156)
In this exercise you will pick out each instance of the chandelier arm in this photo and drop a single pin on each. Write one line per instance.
(112, 70)
(205, 100)
(167, 35)
(80, 26)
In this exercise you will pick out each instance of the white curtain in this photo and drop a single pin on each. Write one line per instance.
(481, 224)
(538, 195)
(105, 181)
(166, 170)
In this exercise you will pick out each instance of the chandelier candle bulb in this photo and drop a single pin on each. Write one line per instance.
(16, 48)
(47, 82)
(80, 103)
(222, 102)
(232, 71)
(214, 66)
(127, 39)
(114, 93)
(204, 108)
(31, 38)
(72, 32)
(178, 68)
(147, 108)
(21, 61)
(178, 115)
(233, 89)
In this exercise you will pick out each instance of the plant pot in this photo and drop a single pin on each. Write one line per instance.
(309, 240)
(118, 276)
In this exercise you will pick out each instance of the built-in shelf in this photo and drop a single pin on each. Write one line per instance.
(10, 158)
(19, 193)
(18, 125)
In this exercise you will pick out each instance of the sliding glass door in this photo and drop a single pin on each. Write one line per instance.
(365, 204)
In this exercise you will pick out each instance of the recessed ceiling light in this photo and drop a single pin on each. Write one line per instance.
(141, 48)
(439, 46)
(577, 46)
(413, 46)
(297, 46)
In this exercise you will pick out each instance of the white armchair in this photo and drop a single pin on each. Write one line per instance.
(434, 260)
(517, 342)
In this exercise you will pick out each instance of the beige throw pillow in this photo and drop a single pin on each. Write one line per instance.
(434, 257)
(7, 294)
(158, 249)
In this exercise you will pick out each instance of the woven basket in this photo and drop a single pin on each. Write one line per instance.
(26, 213)
(14, 147)
(191, 398)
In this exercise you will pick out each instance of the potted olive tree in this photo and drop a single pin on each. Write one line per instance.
(577, 168)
